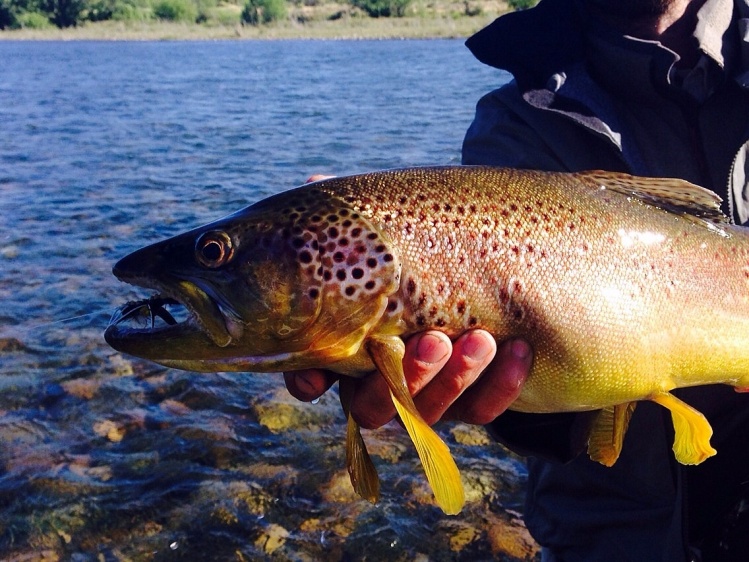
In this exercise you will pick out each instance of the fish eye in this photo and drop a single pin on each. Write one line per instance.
(214, 249)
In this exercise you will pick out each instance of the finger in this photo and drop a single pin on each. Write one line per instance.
(426, 353)
(471, 354)
(497, 388)
(371, 405)
(318, 177)
(309, 384)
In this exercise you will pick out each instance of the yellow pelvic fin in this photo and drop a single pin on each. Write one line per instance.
(693, 431)
(360, 467)
(441, 471)
(607, 434)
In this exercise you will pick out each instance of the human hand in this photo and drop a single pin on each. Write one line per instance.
(318, 177)
(469, 380)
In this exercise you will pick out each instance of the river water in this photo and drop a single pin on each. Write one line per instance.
(105, 147)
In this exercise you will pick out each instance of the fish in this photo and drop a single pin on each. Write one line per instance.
(626, 287)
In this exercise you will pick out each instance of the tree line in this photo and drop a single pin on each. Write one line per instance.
(16, 14)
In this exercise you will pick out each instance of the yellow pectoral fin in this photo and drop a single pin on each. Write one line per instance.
(607, 434)
(693, 431)
(441, 471)
(361, 469)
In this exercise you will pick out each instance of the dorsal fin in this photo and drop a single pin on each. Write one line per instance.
(670, 194)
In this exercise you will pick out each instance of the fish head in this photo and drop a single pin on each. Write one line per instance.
(262, 289)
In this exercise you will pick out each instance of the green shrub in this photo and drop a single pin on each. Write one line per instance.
(175, 10)
(225, 14)
(128, 12)
(7, 15)
(32, 20)
(131, 10)
(263, 11)
(521, 4)
(63, 13)
(100, 10)
(383, 8)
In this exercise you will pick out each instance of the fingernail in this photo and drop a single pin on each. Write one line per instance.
(520, 349)
(431, 349)
(475, 347)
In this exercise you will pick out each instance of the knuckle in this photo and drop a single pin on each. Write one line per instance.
(453, 386)
(370, 420)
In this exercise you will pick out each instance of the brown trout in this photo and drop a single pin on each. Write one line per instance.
(626, 287)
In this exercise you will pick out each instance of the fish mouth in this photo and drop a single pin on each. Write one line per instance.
(150, 309)
(180, 319)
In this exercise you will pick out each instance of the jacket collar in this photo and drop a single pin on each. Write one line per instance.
(533, 45)
(540, 46)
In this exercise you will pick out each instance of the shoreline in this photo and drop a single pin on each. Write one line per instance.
(350, 28)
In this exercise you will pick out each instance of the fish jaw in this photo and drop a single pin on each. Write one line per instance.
(207, 326)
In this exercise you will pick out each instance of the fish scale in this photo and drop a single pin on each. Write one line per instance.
(626, 288)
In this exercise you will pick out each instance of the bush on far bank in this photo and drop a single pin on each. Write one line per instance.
(66, 13)
(263, 11)
(175, 10)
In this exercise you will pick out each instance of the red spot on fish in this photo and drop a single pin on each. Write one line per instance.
(411, 287)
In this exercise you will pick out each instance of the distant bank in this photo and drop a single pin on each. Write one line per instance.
(435, 20)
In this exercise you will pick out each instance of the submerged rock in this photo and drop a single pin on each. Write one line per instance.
(471, 435)
(279, 411)
(10, 344)
(113, 431)
(512, 539)
(272, 539)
